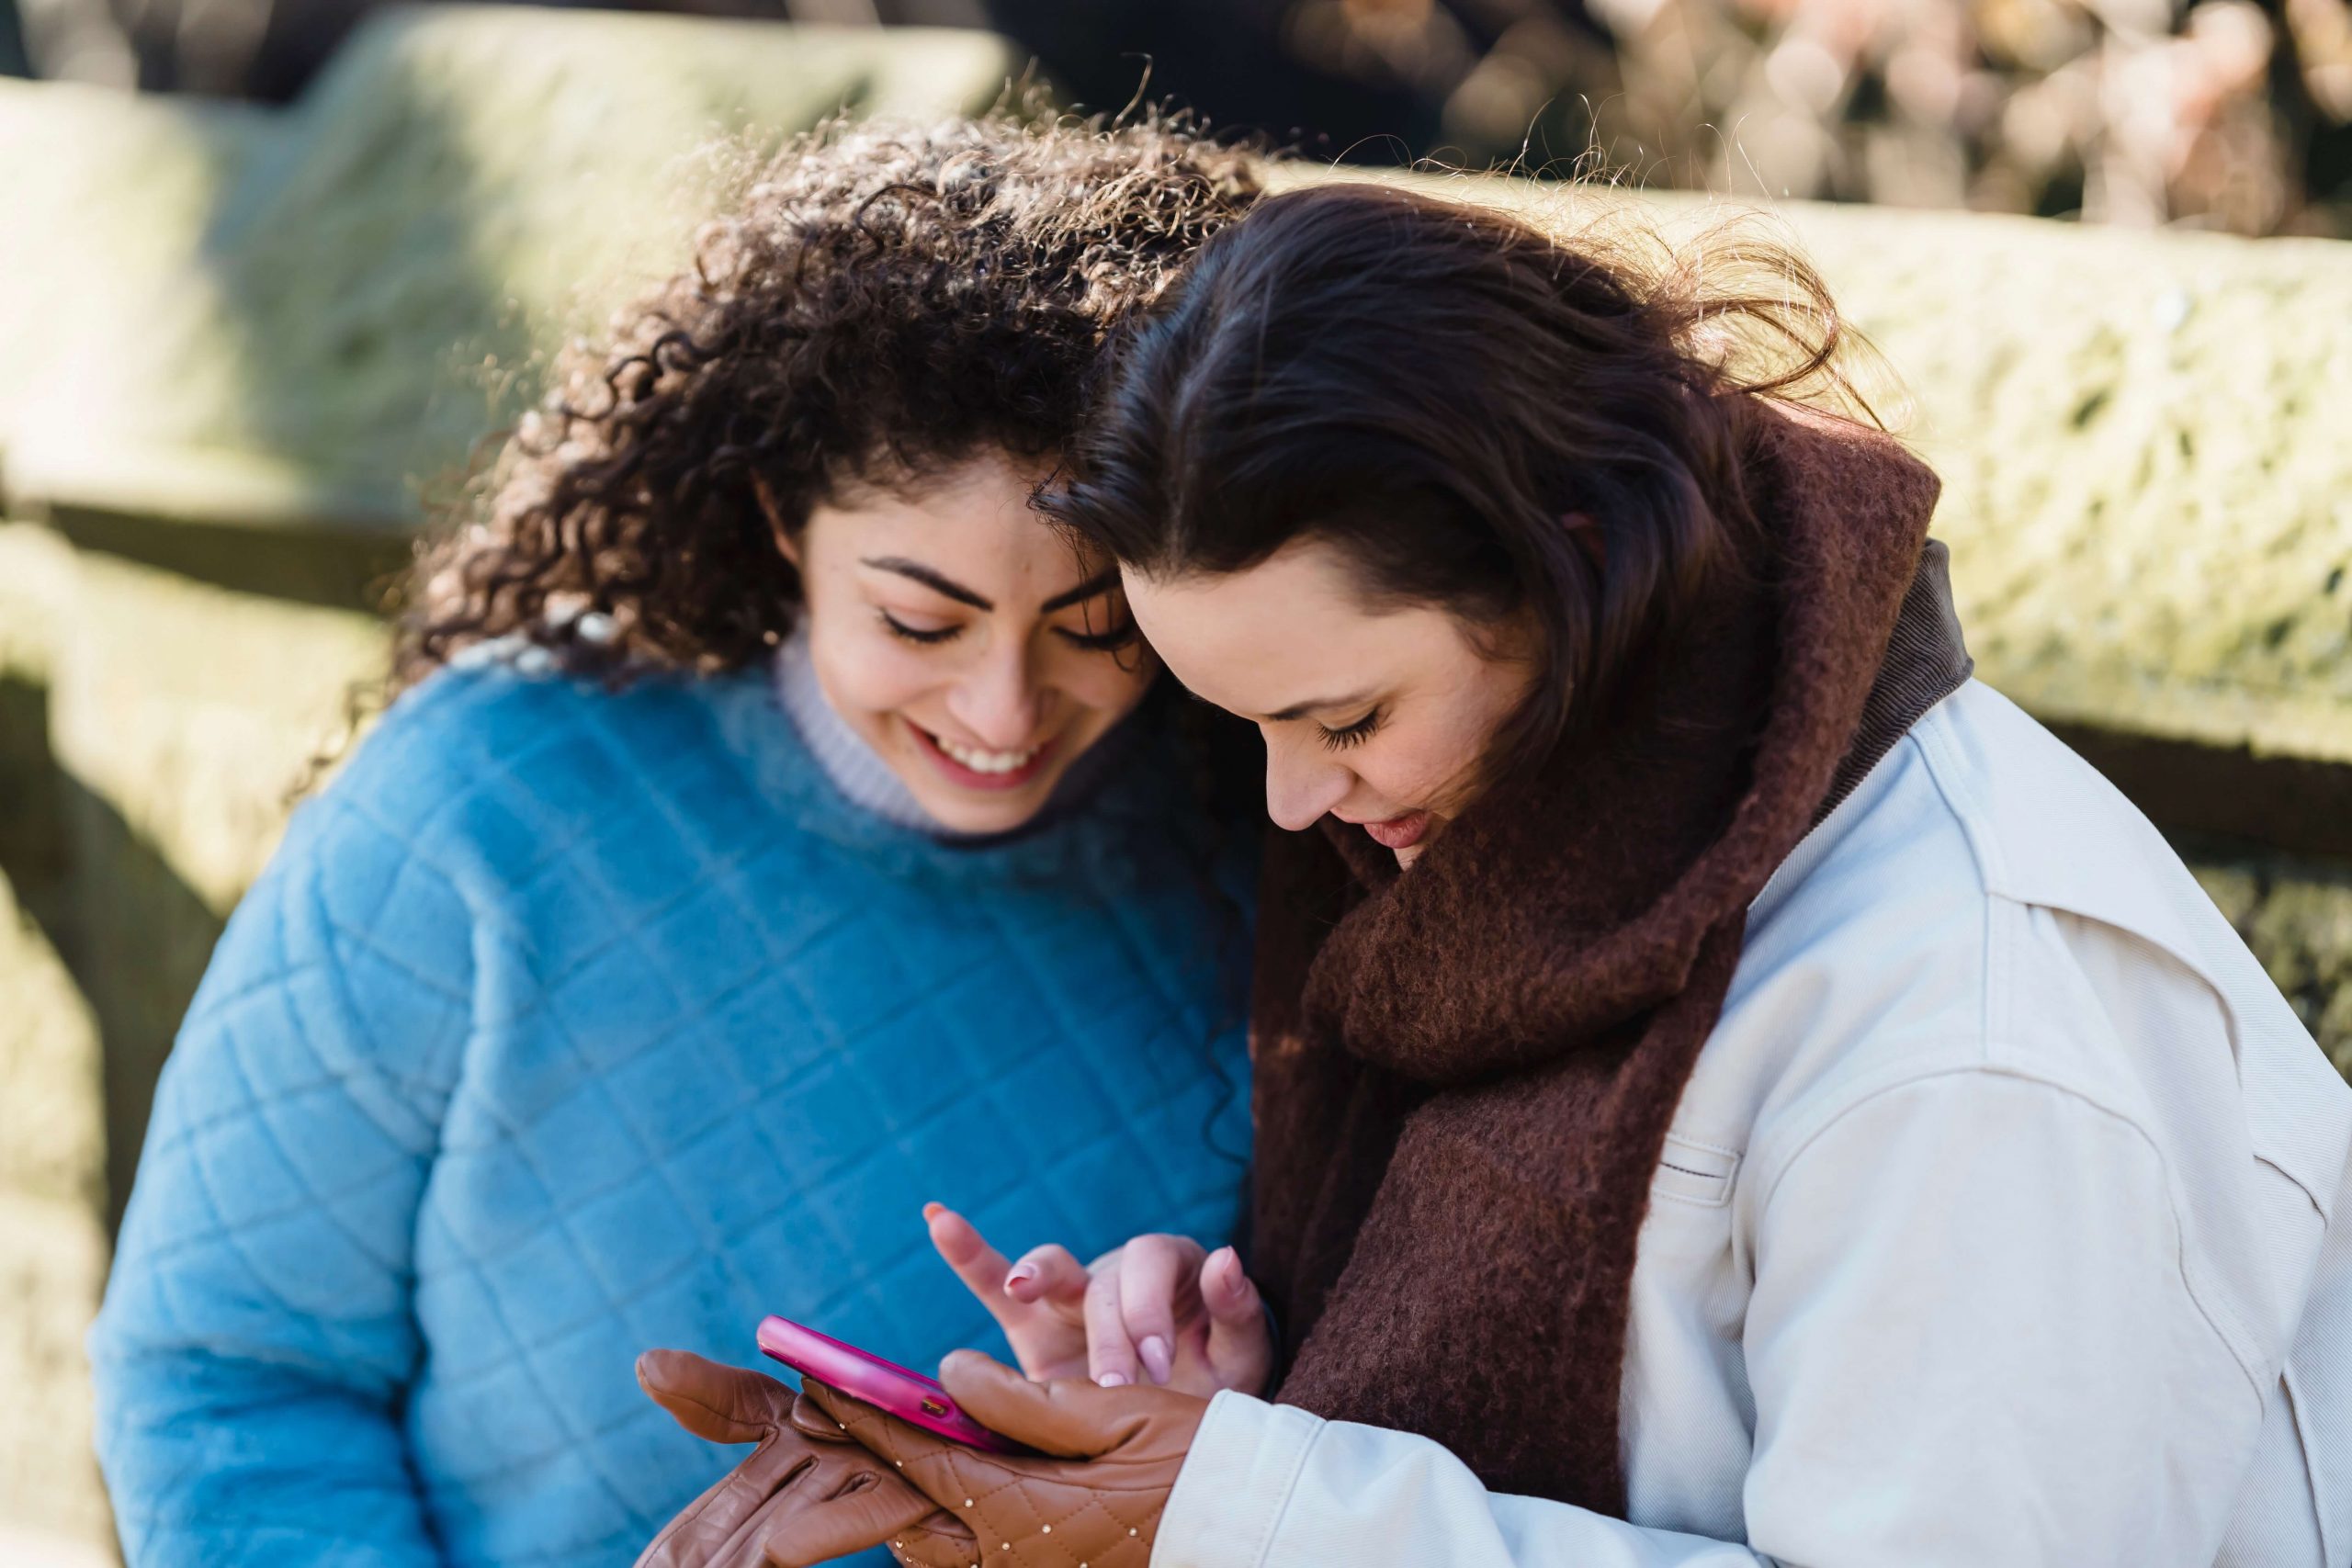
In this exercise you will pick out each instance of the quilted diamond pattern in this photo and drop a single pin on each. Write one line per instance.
(570, 1024)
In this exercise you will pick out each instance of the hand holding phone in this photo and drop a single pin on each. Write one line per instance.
(888, 1387)
(808, 1494)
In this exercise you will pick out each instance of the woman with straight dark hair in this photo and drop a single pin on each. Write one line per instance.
(1729, 1089)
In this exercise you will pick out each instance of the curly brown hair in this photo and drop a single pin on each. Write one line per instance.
(886, 301)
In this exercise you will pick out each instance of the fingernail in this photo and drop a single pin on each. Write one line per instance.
(1112, 1380)
(1154, 1351)
(932, 1211)
(1022, 1274)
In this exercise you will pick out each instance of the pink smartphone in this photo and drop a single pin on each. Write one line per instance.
(885, 1386)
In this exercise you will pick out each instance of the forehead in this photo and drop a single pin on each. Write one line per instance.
(1291, 629)
(988, 487)
(972, 523)
(1301, 580)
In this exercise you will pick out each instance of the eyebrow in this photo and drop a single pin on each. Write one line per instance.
(1101, 582)
(1300, 710)
(914, 570)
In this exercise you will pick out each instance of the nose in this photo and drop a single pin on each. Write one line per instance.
(997, 699)
(1302, 784)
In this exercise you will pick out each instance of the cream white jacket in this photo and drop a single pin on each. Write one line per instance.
(2003, 1223)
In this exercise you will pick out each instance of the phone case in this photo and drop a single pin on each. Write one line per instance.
(885, 1386)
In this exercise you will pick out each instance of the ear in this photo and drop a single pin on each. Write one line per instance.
(786, 541)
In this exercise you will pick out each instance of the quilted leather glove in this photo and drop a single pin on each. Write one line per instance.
(1091, 1498)
(806, 1495)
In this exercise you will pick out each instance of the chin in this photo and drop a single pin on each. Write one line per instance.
(959, 816)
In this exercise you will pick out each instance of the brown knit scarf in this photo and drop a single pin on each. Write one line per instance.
(1465, 1073)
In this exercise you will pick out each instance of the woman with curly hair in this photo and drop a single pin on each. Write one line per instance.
(765, 784)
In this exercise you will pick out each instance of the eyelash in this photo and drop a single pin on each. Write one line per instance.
(899, 628)
(1355, 734)
(1093, 642)
(1110, 641)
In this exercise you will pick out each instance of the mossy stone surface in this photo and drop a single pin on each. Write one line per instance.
(2146, 443)
(151, 729)
(52, 1234)
(52, 1267)
(191, 711)
(108, 196)
(462, 188)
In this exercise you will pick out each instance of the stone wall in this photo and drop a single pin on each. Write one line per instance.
(147, 748)
(52, 1143)
(229, 377)
(305, 312)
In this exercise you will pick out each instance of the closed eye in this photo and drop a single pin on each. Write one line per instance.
(1355, 734)
(925, 636)
(1110, 639)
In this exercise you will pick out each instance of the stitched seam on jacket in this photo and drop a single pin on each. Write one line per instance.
(1949, 778)
(2218, 1317)
(1288, 1485)
(2289, 1380)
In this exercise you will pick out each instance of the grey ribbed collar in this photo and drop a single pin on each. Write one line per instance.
(864, 780)
(868, 782)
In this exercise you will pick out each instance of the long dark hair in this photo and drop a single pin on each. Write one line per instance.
(1481, 416)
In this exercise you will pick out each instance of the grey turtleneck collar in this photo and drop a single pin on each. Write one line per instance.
(868, 782)
(856, 769)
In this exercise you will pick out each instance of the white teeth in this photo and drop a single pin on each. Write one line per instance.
(986, 762)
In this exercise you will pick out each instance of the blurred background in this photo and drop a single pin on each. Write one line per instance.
(271, 269)
(2228, 114)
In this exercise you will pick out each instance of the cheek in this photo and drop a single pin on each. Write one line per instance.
(1429, 766)
(1108, 682)
(1403, 774)
(866, 670)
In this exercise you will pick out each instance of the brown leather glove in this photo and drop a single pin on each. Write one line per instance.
(1091, 1497)
(805, 1496)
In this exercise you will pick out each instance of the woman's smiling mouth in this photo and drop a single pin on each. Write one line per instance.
(972, 767)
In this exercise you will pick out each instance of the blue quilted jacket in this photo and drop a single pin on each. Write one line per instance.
(569, 1023)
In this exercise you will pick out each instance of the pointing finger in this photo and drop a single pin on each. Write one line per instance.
(960, 1245)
